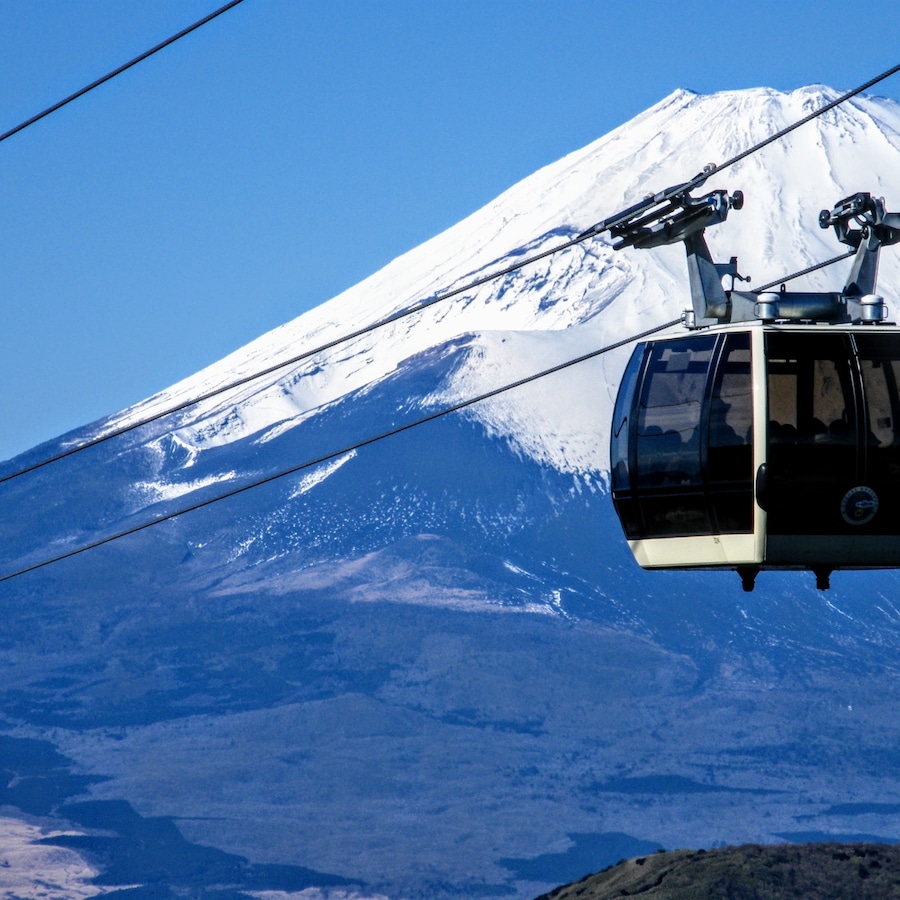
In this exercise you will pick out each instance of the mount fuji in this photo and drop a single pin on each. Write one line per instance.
(429, 667)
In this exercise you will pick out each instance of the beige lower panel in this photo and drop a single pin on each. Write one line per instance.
(689, 552)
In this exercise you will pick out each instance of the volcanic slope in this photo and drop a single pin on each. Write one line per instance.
(429, 667)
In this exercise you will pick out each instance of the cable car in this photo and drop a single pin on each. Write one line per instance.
(768, 436)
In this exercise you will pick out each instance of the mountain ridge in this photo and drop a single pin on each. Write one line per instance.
(563, 196)
(445, 631)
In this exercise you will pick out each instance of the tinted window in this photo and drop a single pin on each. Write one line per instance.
(730, 451)
(879, 363)
(669, 474)
(619, 445)
(810, 390)
(813, 431)
(668, 438)
(681, 444)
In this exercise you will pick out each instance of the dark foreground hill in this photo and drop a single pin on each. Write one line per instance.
(749, 872)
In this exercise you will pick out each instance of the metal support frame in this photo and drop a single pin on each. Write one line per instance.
(673, 215)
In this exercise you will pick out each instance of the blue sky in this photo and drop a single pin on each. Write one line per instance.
(288, 149)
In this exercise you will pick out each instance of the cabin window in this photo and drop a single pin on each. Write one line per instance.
(682, 438)
(813, 431)
(810, 390)
(619, 453)
(669, 413)
(730, 453)
(879, 363)
(669, 473)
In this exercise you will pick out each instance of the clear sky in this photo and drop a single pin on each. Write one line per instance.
(289, 148)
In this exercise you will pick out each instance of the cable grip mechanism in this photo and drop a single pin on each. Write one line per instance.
(675, 218)
(868, 213)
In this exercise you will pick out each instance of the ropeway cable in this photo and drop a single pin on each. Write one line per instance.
(713, 169)
(813, 115)
(806, 271)
(110, 75)
(593, 231)
(596, 229)
(321, 348)
(334, 454)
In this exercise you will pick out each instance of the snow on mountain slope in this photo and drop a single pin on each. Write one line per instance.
(577, 300)
(561, 307)
(444, 633)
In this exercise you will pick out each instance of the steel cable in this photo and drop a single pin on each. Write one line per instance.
(80, 93)
(604, 225)
(334, 454)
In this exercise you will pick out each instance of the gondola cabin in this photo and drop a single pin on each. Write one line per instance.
(768, 436)
(769, 446)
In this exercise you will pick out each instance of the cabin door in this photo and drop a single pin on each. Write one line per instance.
(814, 431)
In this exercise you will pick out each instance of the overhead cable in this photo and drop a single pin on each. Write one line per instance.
(679, 190)
(321, 348)
(806, 271)
(334, 454)
(813, 115)
(598, 228)
(119, 70)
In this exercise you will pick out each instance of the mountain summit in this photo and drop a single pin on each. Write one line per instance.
(577, 300)
(428, 667)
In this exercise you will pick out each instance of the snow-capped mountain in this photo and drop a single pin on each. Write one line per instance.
(428, 666)
(551, 311)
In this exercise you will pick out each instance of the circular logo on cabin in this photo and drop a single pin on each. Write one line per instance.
(859, 505)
